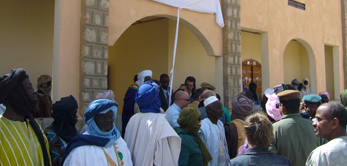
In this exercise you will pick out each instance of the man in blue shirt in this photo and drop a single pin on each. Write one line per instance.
(173, 112)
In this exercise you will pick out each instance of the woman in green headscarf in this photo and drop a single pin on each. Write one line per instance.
(193, 150)
(343, 98)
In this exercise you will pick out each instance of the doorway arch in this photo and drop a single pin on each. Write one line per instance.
(299, 62)
(201, 24)
(148, 45)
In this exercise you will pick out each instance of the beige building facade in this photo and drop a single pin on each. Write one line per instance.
(112, 40)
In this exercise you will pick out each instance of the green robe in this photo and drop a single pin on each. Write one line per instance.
(190, 151)
(294, 138)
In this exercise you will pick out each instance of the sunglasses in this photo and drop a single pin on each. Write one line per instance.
(278, 105)
(185, 99)
(182, 89)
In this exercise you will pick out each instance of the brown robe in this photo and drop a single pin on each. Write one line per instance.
(234, 134)
(43, 107)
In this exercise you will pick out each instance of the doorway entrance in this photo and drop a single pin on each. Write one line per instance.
(251, 73)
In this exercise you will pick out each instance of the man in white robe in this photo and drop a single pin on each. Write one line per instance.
(150, 138)
(212, 133)
(330, 123)
(101, 144)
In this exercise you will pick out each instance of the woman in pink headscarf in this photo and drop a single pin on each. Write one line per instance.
(272, 111)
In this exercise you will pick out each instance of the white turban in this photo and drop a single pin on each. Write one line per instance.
(210, 100)
(141, 77)
(107, 94)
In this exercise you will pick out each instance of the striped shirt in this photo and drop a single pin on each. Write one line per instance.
(19, 144)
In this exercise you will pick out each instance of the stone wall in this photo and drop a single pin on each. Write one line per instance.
(231, 50)
(94, 50)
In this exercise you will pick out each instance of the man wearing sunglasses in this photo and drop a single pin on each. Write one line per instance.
(294, 137)
(173, 112)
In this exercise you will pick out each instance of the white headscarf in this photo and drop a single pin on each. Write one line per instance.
(307, 88)
(141, 77)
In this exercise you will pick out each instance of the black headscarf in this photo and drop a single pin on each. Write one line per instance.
(64, 113)
(13, 91)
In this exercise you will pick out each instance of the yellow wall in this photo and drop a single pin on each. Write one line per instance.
(296, 64)
(251, 46)
(319, 24)
(141, 47)
(26, 37)
(304, 64)
(291, 66)
(191, 58)
(329, 68)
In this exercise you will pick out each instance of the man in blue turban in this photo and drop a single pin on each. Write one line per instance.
(101, 144)
(149, 136)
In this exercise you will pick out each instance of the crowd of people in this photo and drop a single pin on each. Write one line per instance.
(293, 127)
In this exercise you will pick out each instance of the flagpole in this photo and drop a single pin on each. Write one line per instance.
(175, 47)
(174, 54)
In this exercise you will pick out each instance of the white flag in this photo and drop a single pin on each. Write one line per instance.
(204, 6)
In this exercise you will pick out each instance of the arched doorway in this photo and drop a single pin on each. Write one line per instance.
(148, 45)
(251, 73)
(299, 63)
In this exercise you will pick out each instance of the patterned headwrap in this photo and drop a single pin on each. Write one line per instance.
(107, 94)
(141, 77)
(324, 93)
(187, 118)
(44, 84)
(101, 106)
(148, 97)
(241, 107)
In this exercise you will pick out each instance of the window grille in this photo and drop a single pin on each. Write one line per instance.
(296, 4)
